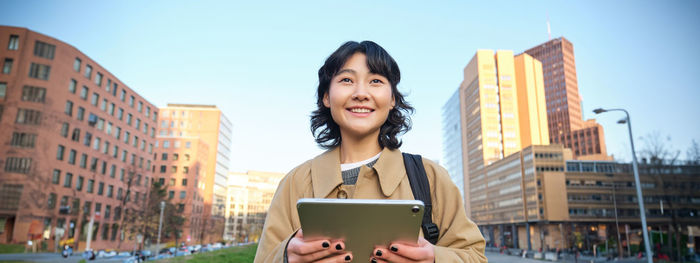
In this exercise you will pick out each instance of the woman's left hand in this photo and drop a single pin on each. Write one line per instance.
(405, 252)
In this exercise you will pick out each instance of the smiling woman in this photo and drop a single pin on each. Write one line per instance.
(359, 115)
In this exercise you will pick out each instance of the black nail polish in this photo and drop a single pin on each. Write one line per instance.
(374, 260)
(338, 247)
(347, 258)
(378, 253)
(393, 248)
(326, 245)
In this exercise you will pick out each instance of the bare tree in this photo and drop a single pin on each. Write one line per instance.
(660, 159)
(693, 153)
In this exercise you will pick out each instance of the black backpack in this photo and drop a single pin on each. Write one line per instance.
(421, 191)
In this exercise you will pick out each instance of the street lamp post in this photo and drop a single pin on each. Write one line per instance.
(640, 199)
(617, 222)
(160, 225)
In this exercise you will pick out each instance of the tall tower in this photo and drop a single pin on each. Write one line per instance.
(561, 85)
(497, 110)
(566, 124)
(209, 124)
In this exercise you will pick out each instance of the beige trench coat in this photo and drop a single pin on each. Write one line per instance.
(459, 240)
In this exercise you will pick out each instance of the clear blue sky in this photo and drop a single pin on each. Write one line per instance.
(258, 60)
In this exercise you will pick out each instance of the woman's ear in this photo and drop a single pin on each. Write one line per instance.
(326, 100)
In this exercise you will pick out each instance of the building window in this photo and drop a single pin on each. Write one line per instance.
(163, 169)
(90, 186)
(69, 108)
(22, 139)
(52, 201)
(122, 96)
(88, 71)
(172, 181)
(95, 99)
(33, 94)
(131, 101)
(83, 160)
(184, 182)
(81, 113)
(120, 114)
(183, 194)
(64, 130)
(128, 118)
(164, 156)
(14, 42)
(71, 156)
(98, 79)
(26, 116)
(110, 189)
(76, 65)
(39, 71)
(171, 194)
(79, 183)
(59, 152)
(18, 165)
(176, 156)
(3, 89)
(44, 50)
(185, 169)
(7, 66)
(56, 177)
(76, 135)
(84, 92)
(87, 139)
(68, 180)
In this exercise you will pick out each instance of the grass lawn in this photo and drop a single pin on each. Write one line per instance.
(232, 254)
(11, 248)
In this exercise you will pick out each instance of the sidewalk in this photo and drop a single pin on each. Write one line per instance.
(494, 255)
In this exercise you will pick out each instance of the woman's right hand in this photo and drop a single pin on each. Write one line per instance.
(322, 250)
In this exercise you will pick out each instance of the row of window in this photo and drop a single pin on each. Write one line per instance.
(111, 88)
(94, 163)
(73, 208)
(175, 156)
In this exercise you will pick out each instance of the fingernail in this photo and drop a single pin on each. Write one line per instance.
(393, 248)
(326, 245)
(378, 253)
(374, 260)
(347, 258)
(338, 247)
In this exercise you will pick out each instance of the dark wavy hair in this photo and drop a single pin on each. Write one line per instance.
(325, 130)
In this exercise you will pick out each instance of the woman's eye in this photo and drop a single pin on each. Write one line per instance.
(345, 80)
(376, 81)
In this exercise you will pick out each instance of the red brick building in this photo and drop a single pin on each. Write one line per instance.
(564, 115)
(75, 140)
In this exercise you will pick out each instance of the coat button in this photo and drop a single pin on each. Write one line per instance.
(342, 194)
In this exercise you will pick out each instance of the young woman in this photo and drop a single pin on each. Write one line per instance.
(360, 114)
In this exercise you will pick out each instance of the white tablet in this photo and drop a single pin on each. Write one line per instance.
(361, 223)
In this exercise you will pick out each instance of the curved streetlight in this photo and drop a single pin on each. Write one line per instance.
(640, 199)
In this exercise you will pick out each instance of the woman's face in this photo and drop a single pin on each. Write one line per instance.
(359, 100)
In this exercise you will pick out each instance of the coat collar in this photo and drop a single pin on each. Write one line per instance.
(325, 171)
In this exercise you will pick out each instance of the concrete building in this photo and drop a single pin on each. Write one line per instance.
(180, 164)
(542, 198)
(564, 113)
(209, 124)
(452, 141)
(76, 141)
(249, 198)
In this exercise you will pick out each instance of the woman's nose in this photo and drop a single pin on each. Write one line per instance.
(360, 92)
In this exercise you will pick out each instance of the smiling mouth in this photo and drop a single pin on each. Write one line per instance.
(360, 110)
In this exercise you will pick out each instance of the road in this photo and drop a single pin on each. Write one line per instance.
(49, 257)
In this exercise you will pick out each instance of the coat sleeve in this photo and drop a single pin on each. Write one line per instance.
(460, 240)
(281, 223)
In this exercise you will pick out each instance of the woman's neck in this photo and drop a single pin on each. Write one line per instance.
(354, 149)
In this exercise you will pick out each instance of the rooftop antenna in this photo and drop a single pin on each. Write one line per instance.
(549, 30)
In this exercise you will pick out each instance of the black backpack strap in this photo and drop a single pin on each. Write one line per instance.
(421, 191)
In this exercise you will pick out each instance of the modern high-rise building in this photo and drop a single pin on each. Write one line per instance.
(180, 164)
(209, 124)
(495, 112)
(76, 142)
(249, 198)
(564, 113)
(452, 141)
